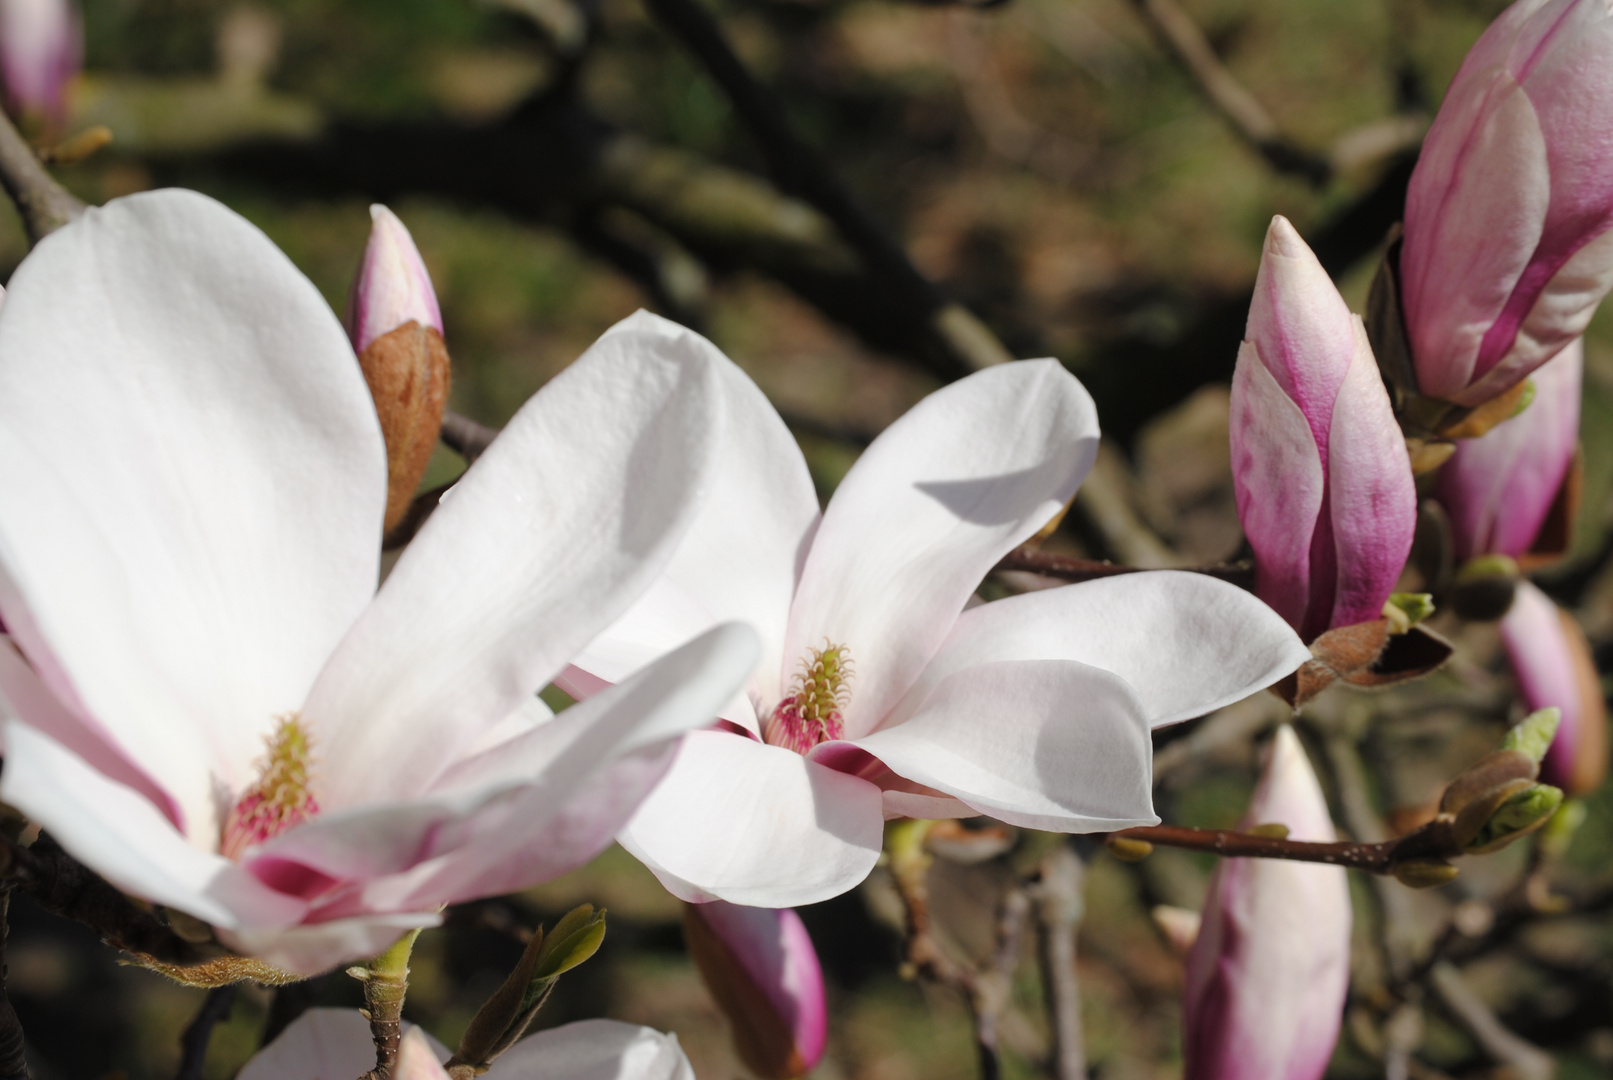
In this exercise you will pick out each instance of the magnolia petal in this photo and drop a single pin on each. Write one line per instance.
(521, 813)
(594, 1050)
(315, 948)
(1371, 494)
(121, 836)
(191, 482)
(738, 820)
(929, 508)
(1185, 643)
(1277, 476)
(1475, 210)
(555, 530)
(325, 1044)
(1044, 744)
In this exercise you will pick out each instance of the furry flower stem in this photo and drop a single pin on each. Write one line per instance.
(386, 983)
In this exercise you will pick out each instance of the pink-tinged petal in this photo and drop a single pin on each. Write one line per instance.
(126, 840)
(929, 508)
(41, 51)
(741, 555)
(314, 948)
(521, 813)
(326, 1044)
(28, 699)
(738, 820)
(1270, 968)
(1562, 312)
(593, 1050)
(392, 286)
(760, 965)
(1499, 487)
(193, 482)
(550, 536)
(1371, 494)
(1278, 480)
(1044, 744)
(1554, 668)
(1186, 643)
(1300, 325)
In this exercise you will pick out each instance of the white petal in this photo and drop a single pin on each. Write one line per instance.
(323, 1044)
(1044, 744)
(929, 508)
(126, 840)
(594, 1050)
(753, 824)
(742, 555)
(523, 812)
(555, 530)
(1186, 643)
(191, 481)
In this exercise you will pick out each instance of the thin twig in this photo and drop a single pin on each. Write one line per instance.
(1058, 914)
(1524, 1059)
(1432, 841)
(1247, 116)
(465, 436)
(992, 987)
(963, 343)
(1071, 568)
(44, 204)
(198, 1036)
(386, 984)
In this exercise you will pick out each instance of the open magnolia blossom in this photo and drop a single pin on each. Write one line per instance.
(334, 1044)
(214, 707)
(878, 694)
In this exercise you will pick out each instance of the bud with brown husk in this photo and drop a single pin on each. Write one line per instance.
(396, 328)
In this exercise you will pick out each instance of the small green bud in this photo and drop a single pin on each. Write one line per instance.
(1525, 398)
(1523, 813)
(1406, 609)
(1270, 830)
(1128, 850)
(1533, 736)
(1425, 873)
(1487, 566)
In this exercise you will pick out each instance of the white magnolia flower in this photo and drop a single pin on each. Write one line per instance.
(334, 1044)
(215, 708)
(878, 695)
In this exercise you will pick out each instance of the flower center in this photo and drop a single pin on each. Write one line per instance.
(280, 798)
(811, 713)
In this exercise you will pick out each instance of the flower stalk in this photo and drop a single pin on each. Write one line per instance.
(386, 984)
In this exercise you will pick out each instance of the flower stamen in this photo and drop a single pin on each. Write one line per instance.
(812, 712)
(280, 798)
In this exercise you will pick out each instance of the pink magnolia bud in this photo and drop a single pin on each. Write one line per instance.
(760, 965)
(41, 50)
(1324, 487)
(392, 286)
(1269, 971)
(1508, 247)
(1553, 663)
(1499, 487)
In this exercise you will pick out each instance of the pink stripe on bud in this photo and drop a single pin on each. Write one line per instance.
(1324, 488)
(1509, 216)
(760, 966)
(392, 286)
(1499, 487)
(1269, 971)
(41, 51)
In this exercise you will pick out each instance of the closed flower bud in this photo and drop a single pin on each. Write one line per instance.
(1268, 973)
(760, 966)
(1508, 247)
(1324, 488)
(1499, 489)
(396, 329)
(1553, 664)
(41, 49)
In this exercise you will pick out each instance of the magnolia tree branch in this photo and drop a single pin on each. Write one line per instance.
(1431, 843)
(198, 1035)
(1070, 568)
(1058, 915)
(1187, 43)
(44, 204)
(1521, 1058)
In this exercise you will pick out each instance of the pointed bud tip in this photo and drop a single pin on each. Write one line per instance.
(1284, 240)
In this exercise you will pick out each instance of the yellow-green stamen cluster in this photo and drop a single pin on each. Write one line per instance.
(812, 712)
(280, 798)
